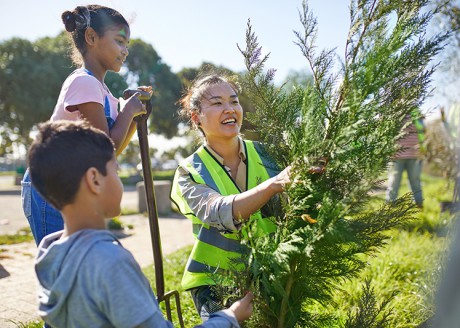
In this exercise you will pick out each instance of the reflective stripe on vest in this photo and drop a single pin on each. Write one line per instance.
(214, 250)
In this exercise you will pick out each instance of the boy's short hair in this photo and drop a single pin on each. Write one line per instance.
(61, 154)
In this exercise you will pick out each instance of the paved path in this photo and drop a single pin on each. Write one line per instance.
(17, 279)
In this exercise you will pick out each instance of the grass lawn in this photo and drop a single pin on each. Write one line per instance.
(20, 236)
(173, 268)
(410, 265)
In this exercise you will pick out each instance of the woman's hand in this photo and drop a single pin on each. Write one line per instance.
(282, 179)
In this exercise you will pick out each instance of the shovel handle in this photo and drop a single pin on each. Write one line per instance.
(142, 133)
(144, 95)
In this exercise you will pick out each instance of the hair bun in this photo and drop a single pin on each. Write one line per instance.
(79, 19)
(82, 18)
(68, 18)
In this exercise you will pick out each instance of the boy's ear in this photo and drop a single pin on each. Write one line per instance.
(90, 36)
(93, 180)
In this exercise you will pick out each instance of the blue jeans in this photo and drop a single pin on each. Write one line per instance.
(43, 218)
(414, 169)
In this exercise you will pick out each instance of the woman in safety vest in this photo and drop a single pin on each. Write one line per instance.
(225, 182)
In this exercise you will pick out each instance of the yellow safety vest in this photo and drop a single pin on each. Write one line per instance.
(213, 250)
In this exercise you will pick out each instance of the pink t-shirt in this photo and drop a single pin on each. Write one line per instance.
(80, 88)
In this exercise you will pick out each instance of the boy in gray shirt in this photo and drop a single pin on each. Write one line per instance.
(86, 277)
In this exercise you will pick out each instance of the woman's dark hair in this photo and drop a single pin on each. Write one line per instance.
(99, 18)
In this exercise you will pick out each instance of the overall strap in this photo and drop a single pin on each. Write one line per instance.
(110, 120)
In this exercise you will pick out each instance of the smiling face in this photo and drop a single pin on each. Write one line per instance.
(112, 47)
(221, 114)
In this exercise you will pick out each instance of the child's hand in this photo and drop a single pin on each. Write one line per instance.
(133, 105)
(146, 88)
(242, 309)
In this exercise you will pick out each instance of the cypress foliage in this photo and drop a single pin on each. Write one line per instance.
(349, 119)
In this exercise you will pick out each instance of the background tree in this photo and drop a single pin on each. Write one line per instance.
(31, 74)
(130, 154)
(116, 83)
(350, 120)
(145, 67)
(444, 142)
(448, 18)
(297, 79)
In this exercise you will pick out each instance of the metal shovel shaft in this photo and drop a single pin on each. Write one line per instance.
(142, 133)
(151, 207)
(154, 226)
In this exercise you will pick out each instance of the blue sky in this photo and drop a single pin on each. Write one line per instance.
(186, 33)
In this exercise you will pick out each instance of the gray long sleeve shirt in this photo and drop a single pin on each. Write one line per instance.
(208, 205)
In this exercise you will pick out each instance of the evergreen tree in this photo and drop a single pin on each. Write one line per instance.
(349, 120)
